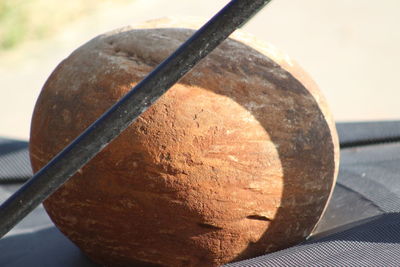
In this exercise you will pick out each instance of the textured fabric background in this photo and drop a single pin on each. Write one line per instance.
(14, 161)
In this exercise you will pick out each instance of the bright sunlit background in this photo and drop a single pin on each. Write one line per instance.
(351, 48)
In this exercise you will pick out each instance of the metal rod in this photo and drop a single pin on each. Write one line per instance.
(125, 111)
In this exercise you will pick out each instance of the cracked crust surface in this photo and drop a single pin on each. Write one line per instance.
(237, 159)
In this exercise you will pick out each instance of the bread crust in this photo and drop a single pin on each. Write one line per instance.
(237, 159)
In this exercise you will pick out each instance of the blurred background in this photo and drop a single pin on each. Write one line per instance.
(350, 48)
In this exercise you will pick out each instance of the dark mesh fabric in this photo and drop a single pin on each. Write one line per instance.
(358, 133)
(14, 161)
(368, 184)
(374, 243)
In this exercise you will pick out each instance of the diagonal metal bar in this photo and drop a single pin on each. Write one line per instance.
(125, 111)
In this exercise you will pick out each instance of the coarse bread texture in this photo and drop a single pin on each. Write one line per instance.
(237, 159)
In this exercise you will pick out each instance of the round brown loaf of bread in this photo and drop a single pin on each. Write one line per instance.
(236, 160)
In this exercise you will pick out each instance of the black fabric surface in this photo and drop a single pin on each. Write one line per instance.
(14, 161)
(368, 184)
(361, 226)
(361, 133)
(43, 247)
(374, 243)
